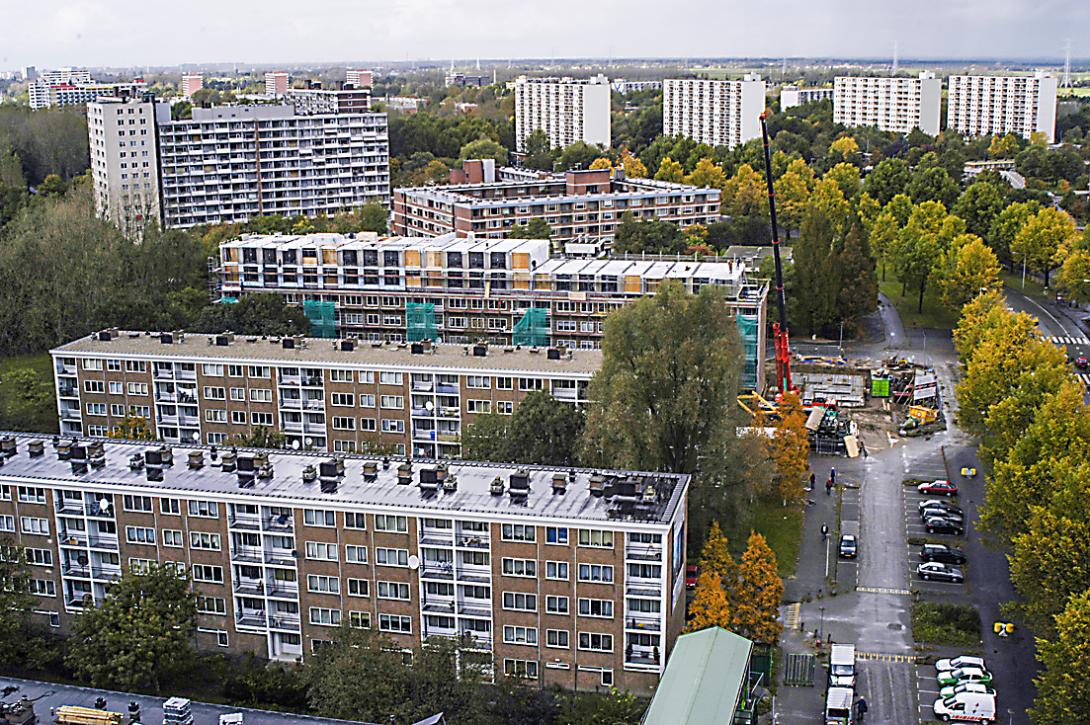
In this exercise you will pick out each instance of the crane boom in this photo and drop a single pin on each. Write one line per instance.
(779, 328)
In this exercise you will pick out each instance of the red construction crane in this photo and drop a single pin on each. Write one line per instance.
(779, 329)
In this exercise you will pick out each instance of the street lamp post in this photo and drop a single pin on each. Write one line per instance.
(821, 626)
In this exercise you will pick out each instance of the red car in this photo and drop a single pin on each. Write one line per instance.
(940, 488)
(692, 573)
(1082, 362)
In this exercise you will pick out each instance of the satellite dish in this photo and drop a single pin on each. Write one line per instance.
(104, 505)
(309, 441)
(197, 436)
(295, 444)
(429, 405)
(414, 562)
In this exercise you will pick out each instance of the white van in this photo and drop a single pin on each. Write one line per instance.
(842, 666)
(966, 707)
(838, 706)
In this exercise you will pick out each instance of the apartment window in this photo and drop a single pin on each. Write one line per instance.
(518, 532)
(325, 617)
(530, 384)
(596, 608)
(595, 642)
(38, 557)
(520, 567)
(238, 417)
(505, 407)
(212, 370)
(7, 523)
(596, 538)
(321, 551)
(482, 382)
(214, 393)
(261, 395)
(170, 506)
(519, 635)
(359, 620)
(340, 376)
(323, 584)
(503, 383)
(34, 525)
(140, 566)
(113, 366)
(204, 509)
(204, 540)
(355, 554)
(318, 517)
(556, 535)
(138, 388)
(391, 378)
(479, 406)
(391, 557)
(139, 535)
(208, 573)
(235, 371)
(94, 386)
(96, 409)
(344, 446)
(645, 571)
(42, 587)
(557, 638)
(353, 520)
(211, 605)
(136, 366)
(264, 419)
(395, 623)
(116, 387)
(173, 538)
(557, 570)
(258, 371)
(367, 377)
(342, 400)
(238, 394)
(596, 573)
(117, 410)
(556, 605)
(359, 588)
(526, 669)
(392, 426)
(393, 402)
(367, 400)
(387, 522)
(393, 590)
(520, 601)
(89, 364)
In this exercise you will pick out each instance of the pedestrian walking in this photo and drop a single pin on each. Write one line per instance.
(832, 475)
(824, 532)
(828, 486)
(861, 708)
(813, 481)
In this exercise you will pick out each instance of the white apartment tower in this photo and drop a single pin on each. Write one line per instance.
(277, 82)
(191, 83)
(717, 113)
(124, 162)
(566, 109)
(998, 105)
(889, 103)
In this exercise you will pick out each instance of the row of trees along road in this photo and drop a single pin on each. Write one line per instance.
(1019, 395)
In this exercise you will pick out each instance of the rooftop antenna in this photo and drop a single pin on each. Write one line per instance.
(478, 64)
(783, 70)
(1066, 81)
(895, 50)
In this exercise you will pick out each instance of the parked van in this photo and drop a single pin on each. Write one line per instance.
(966, 707)
(838, 706)
(842, 666)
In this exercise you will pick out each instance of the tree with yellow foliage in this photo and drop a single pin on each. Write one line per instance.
(844, 149)
(670, 170)
(760, 590)
(792, 192)
(133, 427)
(707, 174)
(710, 607)
(745, 193)
(790, 449)
(715, 557)
(1004, 147)
(633, 167)
(970, 268)
(601, 162)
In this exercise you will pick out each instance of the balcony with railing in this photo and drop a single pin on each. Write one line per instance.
(288, 622)
(104, 542)
(242, 521)
(251, 619)
(279, 522)
(641, 552)
(474, 573)
(247, 554)
(641, 658)
(473, 607)
(442, 570)
(643, 622)
(473, 540)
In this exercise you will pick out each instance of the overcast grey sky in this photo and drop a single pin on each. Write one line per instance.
(50, 33)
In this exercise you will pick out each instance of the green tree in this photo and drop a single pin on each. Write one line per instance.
(579, 155)
(933, 184)
(670, 170)
(857, 275)
(52, 185)
(847, 179)
(652, 236)
(15, 600)
(255, 314)
(792, 192)
(29, 403)
(613, 707)
(1063, 692)
(715, 557)
(1005, 228)
(707, 174)
(483, 148)
(815, 280)
(139, 635)
(883, 238)
(539, 154)
(359, 675)
(1004, 147)
(1049, 561)
(844, 149)
(1044, 240)
(541, 430)
(972, 268)
(921, 244)
(536, 228)
(889, 178)
(979, 205)
(1075, 276)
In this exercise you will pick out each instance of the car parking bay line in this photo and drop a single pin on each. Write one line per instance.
(882, 590)
(885, 657)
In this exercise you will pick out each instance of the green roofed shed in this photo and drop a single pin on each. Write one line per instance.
(705, 681)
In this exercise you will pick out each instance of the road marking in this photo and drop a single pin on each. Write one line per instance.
(1085, 378)
(882, 657)
(791, 618)
(882, 590)
(1062, 340)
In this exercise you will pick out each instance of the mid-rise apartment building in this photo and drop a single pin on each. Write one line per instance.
(312, 101)
(502, 291)
(76, 87)
(567, 577)
(998, 105)
(463, 80)
(124, 163)
(717, 113)
(345, 396)
(191, 83)
(566, 109)
(792, 96)
(360, 78)
(624, 87)
(277, 82)
(229, 164)
(578, 205)
(897, 104)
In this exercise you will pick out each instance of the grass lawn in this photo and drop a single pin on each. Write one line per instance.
(952, 625)
(1033, 287)
(781, 526)
(45, 419)
(934, 316)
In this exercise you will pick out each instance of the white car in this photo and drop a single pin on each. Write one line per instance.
(952, 690)
(958, 662)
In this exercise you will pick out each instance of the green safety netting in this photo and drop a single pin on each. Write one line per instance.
(228, 300)
(533, 328)
(747, 328)
(323, 318)
(420, 321)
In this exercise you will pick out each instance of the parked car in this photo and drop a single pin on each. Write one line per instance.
(939, 572)
(942, 553)
(1082, 362)
(941, 504)
(955, 690)
(849, 546)
(692, 573)
(940, 487)
(977, 707)
(965, 674)
(934, 512)
(942, 525)
(954, 663)
(968, 472)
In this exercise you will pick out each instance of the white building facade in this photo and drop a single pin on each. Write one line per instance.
(191, 83)
(998, 105)
(566, 109)
(717, 113)
(890, 104)
(277, 83)
(792, 96)
(124, 163)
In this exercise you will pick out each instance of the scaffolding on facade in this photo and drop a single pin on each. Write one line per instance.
(323, 318)
(420, 322)
(533, 328)
(747, 329)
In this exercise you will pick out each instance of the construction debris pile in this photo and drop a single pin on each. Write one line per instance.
(913, 393)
